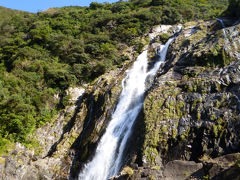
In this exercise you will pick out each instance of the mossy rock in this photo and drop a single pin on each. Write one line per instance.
(128, 171)
(2, 161)
(164, 37)
(160, 107)
(214, 58)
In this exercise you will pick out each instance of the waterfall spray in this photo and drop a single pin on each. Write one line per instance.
(109, 154)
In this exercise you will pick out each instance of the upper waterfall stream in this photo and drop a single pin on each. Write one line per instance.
(223, 26)
(109, 153)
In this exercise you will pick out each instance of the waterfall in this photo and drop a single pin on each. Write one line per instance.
(221, 21)
(223, 25)
(109, 153)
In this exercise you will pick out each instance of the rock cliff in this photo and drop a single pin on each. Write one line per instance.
(192, 111)
(189, 126)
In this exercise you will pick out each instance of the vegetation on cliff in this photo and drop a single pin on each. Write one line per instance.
(192, 110)
(42, 54)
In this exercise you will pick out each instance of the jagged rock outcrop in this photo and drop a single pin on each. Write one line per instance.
(192, 110)
(189, 126)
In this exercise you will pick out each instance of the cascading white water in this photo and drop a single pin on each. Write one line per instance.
(108, 158)
(223, 25)
(221, 21)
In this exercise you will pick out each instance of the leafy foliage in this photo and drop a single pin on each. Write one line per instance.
(7, 14)
(43, 54)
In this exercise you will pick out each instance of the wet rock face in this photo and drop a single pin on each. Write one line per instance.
(193, 109)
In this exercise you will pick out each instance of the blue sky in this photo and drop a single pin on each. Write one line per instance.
(40, 5)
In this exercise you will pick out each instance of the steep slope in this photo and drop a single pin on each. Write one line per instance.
(192, 112)
(43, 54)
(189, 126)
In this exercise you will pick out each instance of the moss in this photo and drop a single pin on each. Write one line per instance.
(216, 50)
(184, 135)
(164, 37)
(226, 58)
(206, 158)
(2, 160)
(20, 162)
(127, 170)
(215, 131)
(156, 168)
(217, 87)
(206, 177)
(58, 170)
(212, 117)
(190, 87)
(197, 85)
(199, 35)
(180, 106)
(33, 143)
(192, 71)
(174, 133)
(151, 177)
(237, 163)
(186, 173)
(198, 115)
(213, 57)
(160, 106)
(218, 130)
(195, 103)
(155, 138)
(73, 137)
(190, 23)
(171, 83)
(151, 154)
